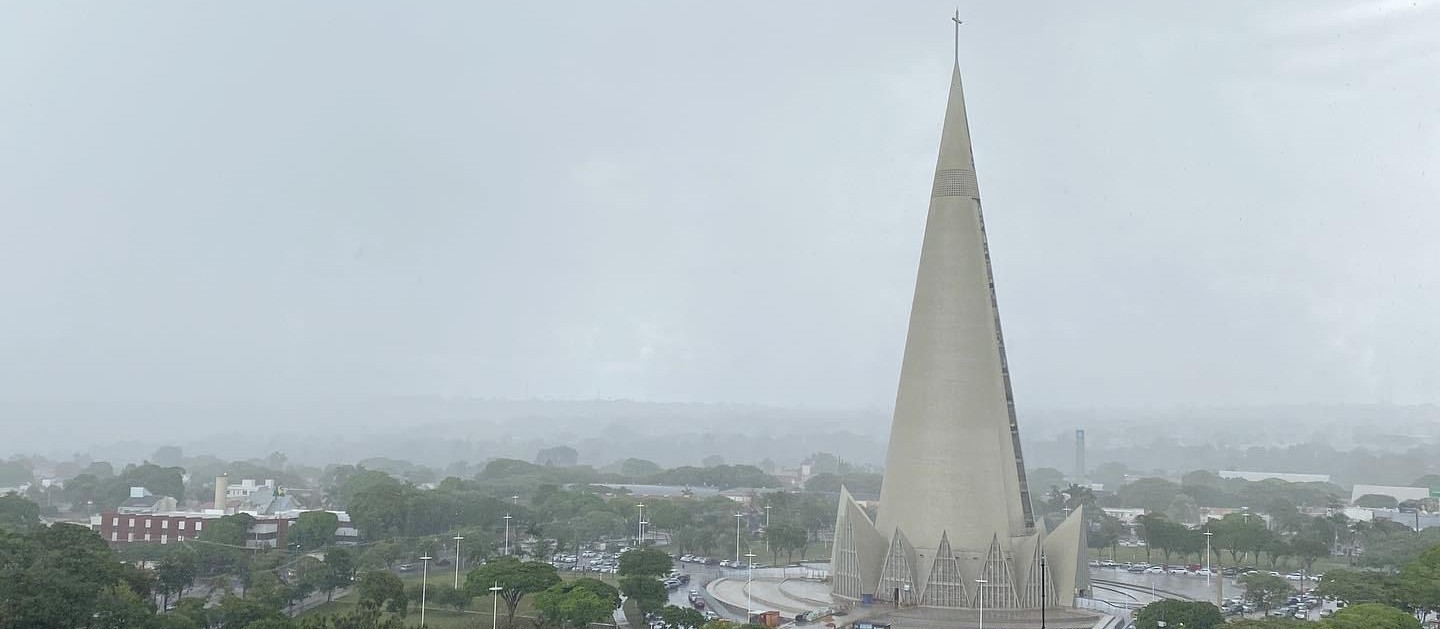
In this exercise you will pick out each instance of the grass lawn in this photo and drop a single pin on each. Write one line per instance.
(434, 618)
(476, 615)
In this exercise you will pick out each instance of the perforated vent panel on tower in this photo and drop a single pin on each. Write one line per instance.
(955, 182)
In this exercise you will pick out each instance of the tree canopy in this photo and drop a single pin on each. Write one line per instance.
(517, 578)
(1189, 614)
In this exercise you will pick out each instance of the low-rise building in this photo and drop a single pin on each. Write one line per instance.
(142, 501)
(1125, 516)
(1400, 494)
(267, 531)
(1285, 476)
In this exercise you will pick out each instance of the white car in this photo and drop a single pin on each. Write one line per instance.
(1154, 570)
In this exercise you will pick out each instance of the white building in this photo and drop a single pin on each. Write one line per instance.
(1400, 494)
(1285, 476)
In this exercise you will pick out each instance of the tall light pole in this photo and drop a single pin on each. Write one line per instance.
(507, 535)
(457, 539)
(738, 517)
(748, 579)
(644, 531)
(424, 583)
(980, 596)
(494, 604)
(767, 533)
(1043, 600)
(1208, 535)
(640, 525)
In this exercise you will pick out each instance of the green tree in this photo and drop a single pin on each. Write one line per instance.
(1188, 614)
(647, 592)
(223, 544)
(1309, 548)
(1419, 581)
(339, 571)
(314, 529)
(1269, 623)
(638, 468)
(1045, 478)
(18, 514)
(1265, 591)
(238, 613)
(1152, 494)
(53, 576)
(310, 576)
(272, 623)
(14, 473)
(1371, 616)
(377, 504)
(675, 617)
(119, 608)
(444, 595)
(575, 608)
(362, 618)
(786, 538)
(174, 574)
(558, 456)
(1355, 587)
(378, 589)
(516, 577)
(647, 562)
(1376, 501)
(1239, 534)
(383, 554)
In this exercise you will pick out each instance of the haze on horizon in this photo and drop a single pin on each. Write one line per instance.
(1221, 205)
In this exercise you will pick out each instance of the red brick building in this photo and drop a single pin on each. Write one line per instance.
(165, 528)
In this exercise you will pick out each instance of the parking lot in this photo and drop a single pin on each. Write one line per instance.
(1169, 581)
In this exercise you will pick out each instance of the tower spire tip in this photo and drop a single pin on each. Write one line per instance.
(956, 20)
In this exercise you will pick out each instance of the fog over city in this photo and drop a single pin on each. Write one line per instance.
(452, 230)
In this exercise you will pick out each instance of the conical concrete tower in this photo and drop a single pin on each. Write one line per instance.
(954, 506)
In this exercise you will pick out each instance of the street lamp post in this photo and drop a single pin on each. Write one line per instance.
(424, 583)
(494, 604)
(640, 525)
(645, 531)
(767, 531)
(980, 596)
(457, 539)
(507, 534)
(749, 608)
(738, 517)
(1208, 535)
(1043, 601)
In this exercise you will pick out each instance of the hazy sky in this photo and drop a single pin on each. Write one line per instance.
(1215, 203)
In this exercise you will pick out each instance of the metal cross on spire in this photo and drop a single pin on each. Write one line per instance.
(957, 22)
